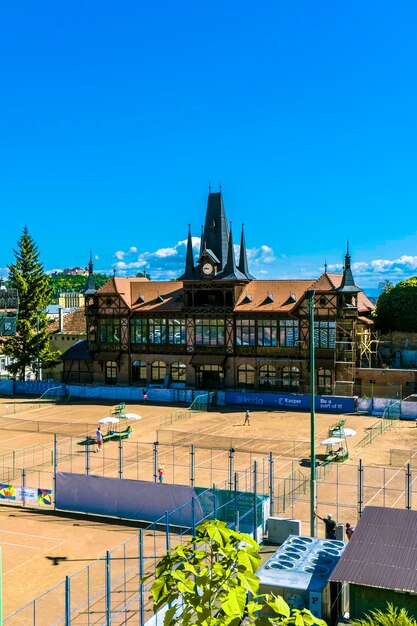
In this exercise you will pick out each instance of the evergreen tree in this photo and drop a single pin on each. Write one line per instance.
(29, 347)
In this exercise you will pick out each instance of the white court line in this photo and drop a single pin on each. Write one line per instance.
(12, 532)
(19, 545)
(384, 487)
(29, 560)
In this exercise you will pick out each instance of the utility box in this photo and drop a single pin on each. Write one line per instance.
(280, 528)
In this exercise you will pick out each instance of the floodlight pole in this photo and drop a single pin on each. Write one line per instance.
(313, 481)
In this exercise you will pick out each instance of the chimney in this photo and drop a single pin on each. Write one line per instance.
(61, 319)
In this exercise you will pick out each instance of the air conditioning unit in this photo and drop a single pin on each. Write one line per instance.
(299, 571)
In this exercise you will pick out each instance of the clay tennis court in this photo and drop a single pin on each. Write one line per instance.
(41, 547)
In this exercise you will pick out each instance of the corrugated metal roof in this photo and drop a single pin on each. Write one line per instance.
(382, 551)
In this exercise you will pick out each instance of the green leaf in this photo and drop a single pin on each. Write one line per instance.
(235, 603)
(249, 581)
(169, 615)
(278, 604)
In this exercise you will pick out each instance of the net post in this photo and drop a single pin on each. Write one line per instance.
(120, 458)
(155, 461)
(235, 503)
(23, 486)
(108, 589)
(87, 457)
(231, 456)
(360, 481)
(408, 484)
(141, 584)
(193, 515)
(67, 601)
(192, 465)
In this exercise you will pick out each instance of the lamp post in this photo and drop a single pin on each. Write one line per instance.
(313, 480)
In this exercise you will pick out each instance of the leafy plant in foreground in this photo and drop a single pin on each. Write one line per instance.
(211, 581)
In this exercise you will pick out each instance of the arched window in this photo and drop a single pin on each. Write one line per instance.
(178, 370)
(139, 372)
(290, 378)
(158, 371)
(246, 375)
(111, 373)
(324, 382)
(267, 376)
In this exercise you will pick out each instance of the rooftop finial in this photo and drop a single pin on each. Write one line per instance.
(325, 266)
(114, 272)
(209, 187)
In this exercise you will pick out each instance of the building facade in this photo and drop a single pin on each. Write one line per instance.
(218, 327)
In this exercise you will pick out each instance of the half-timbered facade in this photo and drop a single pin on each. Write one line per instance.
(218, 327)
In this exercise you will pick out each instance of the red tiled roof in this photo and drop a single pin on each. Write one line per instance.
(141, 294)
(73, 323)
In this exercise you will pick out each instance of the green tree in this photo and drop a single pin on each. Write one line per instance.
(59, 282)
(31, 339)
(213, 576)
(391, 617)
(143, 275)
(396, 308)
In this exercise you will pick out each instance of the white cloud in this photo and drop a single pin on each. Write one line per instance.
(162, 253)
(166, 263)
(371, 272)
(262, 255)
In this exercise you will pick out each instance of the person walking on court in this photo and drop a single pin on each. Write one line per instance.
(160, 473)
(144, 395)
(247, 418)
(99, 438)
(330, 525)
(349, 531)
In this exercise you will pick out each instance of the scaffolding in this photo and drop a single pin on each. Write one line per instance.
(345, 357)
(368, 347)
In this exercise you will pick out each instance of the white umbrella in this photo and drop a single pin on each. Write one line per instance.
(331, 441)
(344, 432)
(108, 420)
(132, 416)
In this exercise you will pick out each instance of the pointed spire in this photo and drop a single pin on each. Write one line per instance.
(230, 266)
(325, 266)
(201, 241)
(243, 260)
(90, 288)
(189, 259)
(348, 282)
(216, 232)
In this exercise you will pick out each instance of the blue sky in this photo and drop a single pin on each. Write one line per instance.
(115, 117)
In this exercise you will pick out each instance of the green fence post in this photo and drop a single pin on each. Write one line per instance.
(108, 590)
(67, 601)
(141, 574)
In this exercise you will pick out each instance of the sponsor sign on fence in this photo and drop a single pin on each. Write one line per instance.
(25, 494)
(326, 404)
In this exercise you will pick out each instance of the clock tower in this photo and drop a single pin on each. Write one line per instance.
(216, 260)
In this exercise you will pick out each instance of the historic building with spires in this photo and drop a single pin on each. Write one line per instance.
(218, 327)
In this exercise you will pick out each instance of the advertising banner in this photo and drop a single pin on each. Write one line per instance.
(292, 402)
(25, 494)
